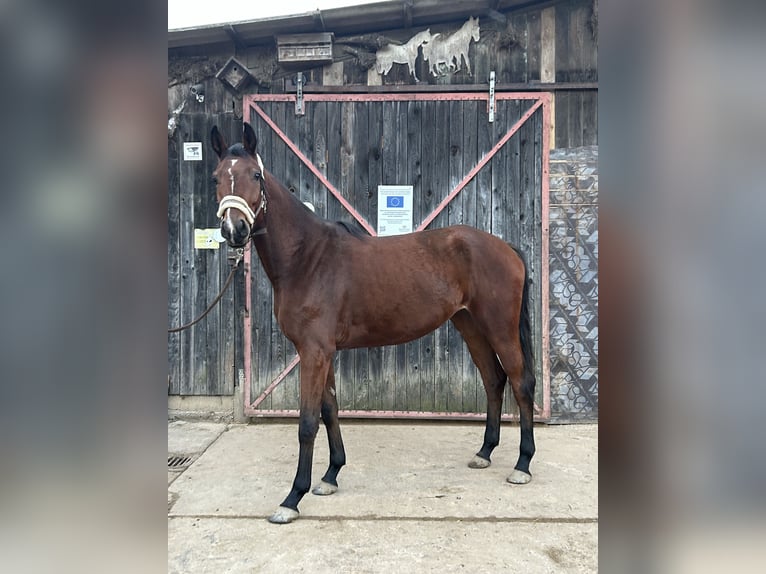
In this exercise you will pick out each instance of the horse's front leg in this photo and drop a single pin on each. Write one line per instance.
(329, 484)
(314, 367)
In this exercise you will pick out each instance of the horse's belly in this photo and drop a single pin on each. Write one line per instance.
(392, 321)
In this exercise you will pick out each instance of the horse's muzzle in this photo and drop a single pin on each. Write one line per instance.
(235, 234)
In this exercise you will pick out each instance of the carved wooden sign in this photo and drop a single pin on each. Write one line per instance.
(445, 54)
(392, 54)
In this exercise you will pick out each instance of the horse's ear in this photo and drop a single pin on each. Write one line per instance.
(248, 138)
(216, 139)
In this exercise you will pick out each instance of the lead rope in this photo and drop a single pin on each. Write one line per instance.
(240, 254)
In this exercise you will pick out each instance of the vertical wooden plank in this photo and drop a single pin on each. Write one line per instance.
(174, 265)
(428, 200)
(590, 118)
(441, 179)
(360, 200)
(346, 360)
(210, 328)
(517, 56)
(307, 140)
(454, 348)
(374, 178)
(575, 125)
(286, 168)
(391, 174)
(485, 141)
(548, 45)
(332, 171)
(548, 59)
(563, 53)
(415, 145)
(200, 375)
(512, 152)
(262, 303)
(473, 113)
(186, 244)
(319, 156)
(499, 167)
(560, 119)
(295, 127)
(404, 175)
(534, 46)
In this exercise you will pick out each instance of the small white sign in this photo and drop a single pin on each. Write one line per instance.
(394, 209)
(192, 151)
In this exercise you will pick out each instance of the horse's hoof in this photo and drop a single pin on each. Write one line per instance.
(324, 488)
(519, 477)
(478, 462)
(283, 515)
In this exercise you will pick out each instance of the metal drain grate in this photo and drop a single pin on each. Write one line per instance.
(179, 461)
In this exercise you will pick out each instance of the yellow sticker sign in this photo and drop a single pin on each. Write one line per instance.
(207, 238)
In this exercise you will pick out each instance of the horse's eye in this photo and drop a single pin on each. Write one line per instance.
(214, 180)
(257, 175)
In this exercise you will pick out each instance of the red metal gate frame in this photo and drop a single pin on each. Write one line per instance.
(541, 99)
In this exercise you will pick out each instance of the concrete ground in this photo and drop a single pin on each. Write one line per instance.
(407, 501)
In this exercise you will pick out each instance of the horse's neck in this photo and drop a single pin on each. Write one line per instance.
(416, 41)
(289, 227)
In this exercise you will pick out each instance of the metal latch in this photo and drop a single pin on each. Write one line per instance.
(491, 101)
(300, 79)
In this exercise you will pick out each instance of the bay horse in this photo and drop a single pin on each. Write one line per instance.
(337, 289)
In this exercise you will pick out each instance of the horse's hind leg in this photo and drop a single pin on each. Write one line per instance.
(522, 379)
(329, 484)
(494, 378)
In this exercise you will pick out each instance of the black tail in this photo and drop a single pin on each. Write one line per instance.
(525, 335)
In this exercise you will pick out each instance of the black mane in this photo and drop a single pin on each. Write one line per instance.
(237, 150)
(353, 228)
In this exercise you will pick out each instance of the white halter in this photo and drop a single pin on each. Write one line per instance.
(236, 202)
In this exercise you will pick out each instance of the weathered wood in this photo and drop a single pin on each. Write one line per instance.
(453, 385)
(362, 191)
(428, 201)
(211, 382)
(174, 265)
(262, 303)
(374, 178)
(346, 360)
(547, 46)
(400, 174)
(415, 128)
(473, 114)
(390, 173)
(534, 46)
(483, 86)
(431, 145)
(186, 231)
(284, 117)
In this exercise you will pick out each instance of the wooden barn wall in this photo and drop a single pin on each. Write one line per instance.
(201, 358)
(401, 143)
(555, 45)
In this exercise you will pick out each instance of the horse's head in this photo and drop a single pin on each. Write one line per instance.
(473, 25)
(240, 188)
